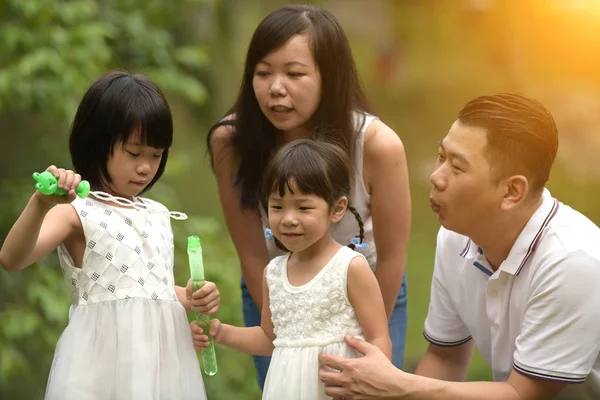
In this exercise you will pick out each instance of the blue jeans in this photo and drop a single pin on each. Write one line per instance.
(397, 327)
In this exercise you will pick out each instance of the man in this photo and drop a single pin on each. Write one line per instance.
(517, 273)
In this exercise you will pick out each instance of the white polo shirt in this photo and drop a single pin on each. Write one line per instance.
(539, 313)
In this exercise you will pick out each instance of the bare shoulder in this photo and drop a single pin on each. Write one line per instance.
(384, 158)
(222, 135)
(381, 140)
(359, 269)
(224, 154)
(67, 214)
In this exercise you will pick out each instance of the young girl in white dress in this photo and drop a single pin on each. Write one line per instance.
(320, 290)
(128, 336)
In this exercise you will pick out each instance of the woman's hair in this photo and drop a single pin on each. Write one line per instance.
(311, 167)
(253, 135)
(115, 107)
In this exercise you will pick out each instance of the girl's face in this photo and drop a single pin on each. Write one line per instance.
(131, 167)
(287, 85)
(299, 220)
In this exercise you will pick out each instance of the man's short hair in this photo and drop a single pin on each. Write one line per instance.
(522, 138)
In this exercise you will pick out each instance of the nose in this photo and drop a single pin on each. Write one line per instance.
(289, 218)
(143, 168)
(277, 87)
(438, 177)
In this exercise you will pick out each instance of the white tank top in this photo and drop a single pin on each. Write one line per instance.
(360, 199)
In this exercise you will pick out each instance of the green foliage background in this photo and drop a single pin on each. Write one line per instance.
(420, 62)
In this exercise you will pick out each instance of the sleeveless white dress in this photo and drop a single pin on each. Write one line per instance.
(128, 336)
(308, 320)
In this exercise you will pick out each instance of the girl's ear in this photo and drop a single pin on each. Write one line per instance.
(339, 209)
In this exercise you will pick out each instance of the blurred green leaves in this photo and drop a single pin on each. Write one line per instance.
(50, 51)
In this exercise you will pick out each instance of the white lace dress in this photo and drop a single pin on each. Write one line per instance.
(128, 336)
(308, 320)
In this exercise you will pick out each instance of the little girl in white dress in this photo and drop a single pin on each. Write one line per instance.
(319, 291)
(128, 336)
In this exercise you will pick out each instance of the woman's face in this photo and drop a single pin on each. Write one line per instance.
(287, 85)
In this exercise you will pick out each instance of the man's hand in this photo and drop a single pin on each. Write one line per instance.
(369, 377)
(205, 300)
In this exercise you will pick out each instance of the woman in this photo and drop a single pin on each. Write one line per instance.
(299, 74)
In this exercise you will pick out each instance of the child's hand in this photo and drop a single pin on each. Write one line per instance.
(205, 300)
(67, 180)
(200, 339)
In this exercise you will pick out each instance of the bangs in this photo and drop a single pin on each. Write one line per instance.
(146, 117)
(299, 171)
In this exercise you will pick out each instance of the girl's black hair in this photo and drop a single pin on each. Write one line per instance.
(314, 167)
(253, 136)
(115, 107)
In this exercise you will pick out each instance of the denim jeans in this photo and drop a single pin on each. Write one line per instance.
(397, 327)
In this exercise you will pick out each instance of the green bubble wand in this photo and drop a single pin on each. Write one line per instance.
(209, 358)
(48, 184)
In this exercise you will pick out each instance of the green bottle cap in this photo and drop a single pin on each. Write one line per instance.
(193, 242)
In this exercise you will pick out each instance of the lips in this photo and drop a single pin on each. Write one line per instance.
(291, 235)
(280, 108)
(434, 206)
(140, 183)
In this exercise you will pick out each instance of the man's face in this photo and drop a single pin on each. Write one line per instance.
(463, 194)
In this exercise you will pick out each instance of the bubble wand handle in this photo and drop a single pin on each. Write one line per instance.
(48, 184)
(209, 358)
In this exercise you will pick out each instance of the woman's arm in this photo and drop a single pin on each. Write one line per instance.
(245, 226)
(365, 296)
(386, 177)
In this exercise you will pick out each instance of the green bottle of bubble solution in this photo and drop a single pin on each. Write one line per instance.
(194, 249)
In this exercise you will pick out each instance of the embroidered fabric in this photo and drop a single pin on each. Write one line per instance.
(308, 320)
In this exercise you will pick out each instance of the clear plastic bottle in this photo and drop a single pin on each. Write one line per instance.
(194, 249)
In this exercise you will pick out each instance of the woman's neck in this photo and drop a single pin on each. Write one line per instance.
(293, 134)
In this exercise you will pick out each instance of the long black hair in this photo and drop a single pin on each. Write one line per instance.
(253, 136)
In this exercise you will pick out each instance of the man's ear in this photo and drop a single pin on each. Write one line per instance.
(339, 209)
(516, 189)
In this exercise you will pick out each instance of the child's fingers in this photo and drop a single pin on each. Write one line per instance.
(209, 290)
(53, 169)
(201, 342)
(188, 289)
(62, 175)
(215, 324)
(196, 330)
(69, 178)
(208, 309)
(76, 181)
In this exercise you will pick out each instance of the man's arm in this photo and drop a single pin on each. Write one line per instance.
(446, 363)
(517, 387)
(374, 377)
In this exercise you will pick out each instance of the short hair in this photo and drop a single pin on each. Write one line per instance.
(116, 106)
(522, 137)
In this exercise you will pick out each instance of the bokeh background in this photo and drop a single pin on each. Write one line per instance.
(419, 60)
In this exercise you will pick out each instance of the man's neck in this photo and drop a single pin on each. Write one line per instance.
(498, 241)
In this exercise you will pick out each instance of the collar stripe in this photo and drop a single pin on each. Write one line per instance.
(538, 236)
(463, 253)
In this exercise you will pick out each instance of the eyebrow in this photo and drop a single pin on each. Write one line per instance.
(287, 64)
(459, 156)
